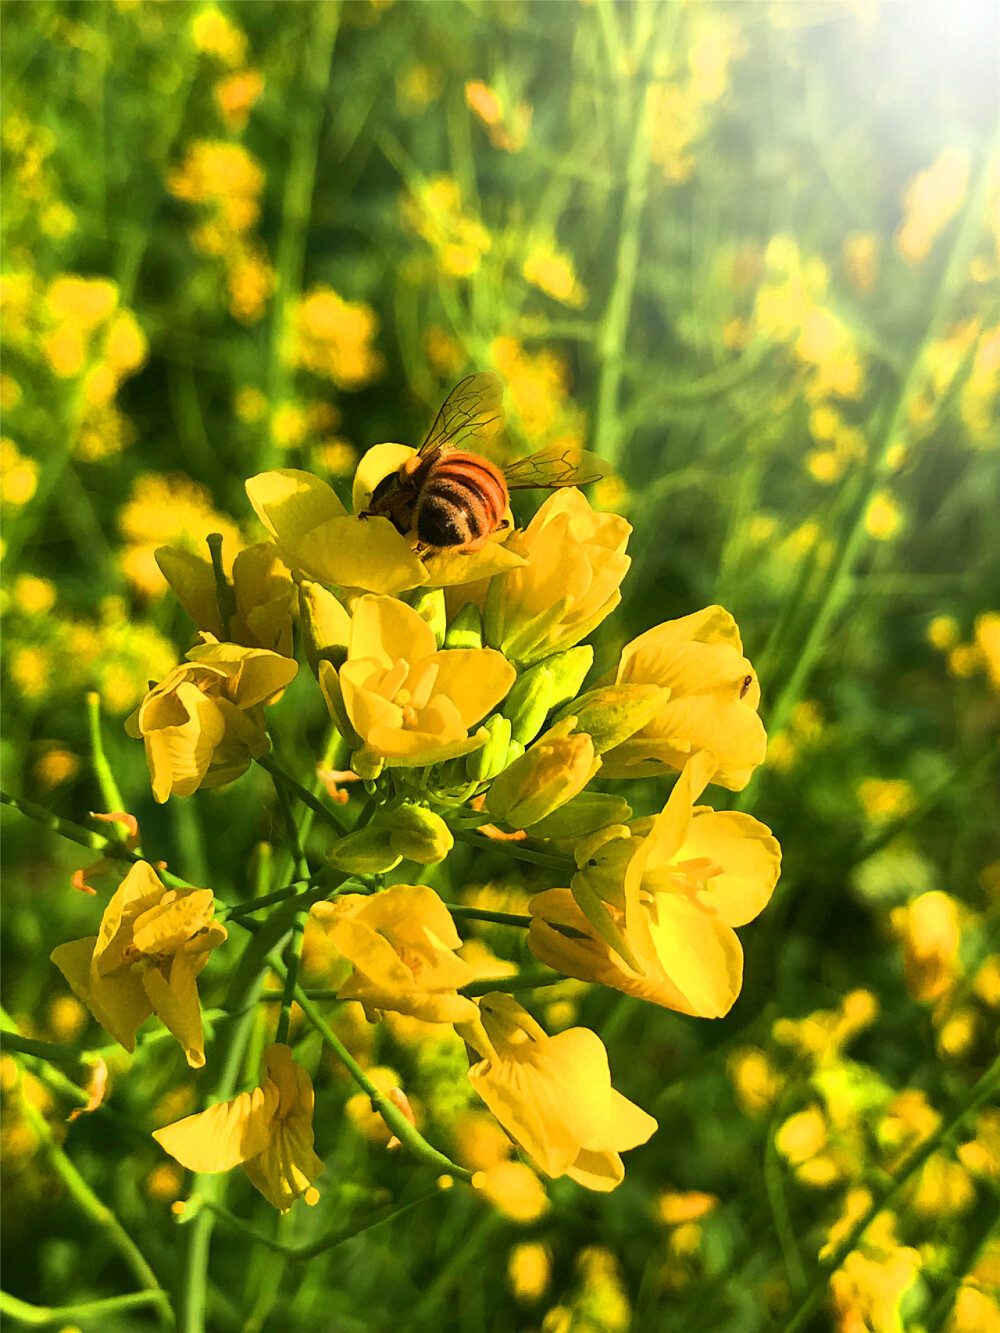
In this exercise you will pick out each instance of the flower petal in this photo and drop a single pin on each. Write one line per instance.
(388, 630)
(291, 503)
(359, 553)
(224, 1136)
(749, 855)
(475, 679)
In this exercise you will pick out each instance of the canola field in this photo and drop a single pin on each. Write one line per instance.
(423, 913)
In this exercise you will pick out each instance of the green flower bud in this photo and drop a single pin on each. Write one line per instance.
(613, 713)
(366, 851)
(582, 816)
(418, 834)
(569, 670)
(529, 703)
(326, 625)
(485, 763)
(466, 630)
(429, 605)
(546, 776)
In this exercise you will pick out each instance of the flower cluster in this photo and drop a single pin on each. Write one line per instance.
(456, 679)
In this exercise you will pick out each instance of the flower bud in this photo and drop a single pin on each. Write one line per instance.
(326, 626)
(546, 776)
(613, 713)
(543, 687)
(429, 606)
(366, 851)
(491, 759)
(466, 630)
(418, 834)
(582, 816)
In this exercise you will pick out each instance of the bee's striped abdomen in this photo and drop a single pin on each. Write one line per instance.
(463, 499)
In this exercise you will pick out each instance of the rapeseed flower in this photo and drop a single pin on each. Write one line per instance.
(401, 943)
(268, 1132)
(145, 959)
(408, 703)
(930, 932)
(575, 562)
(551, 772)
(333, 338)
(553, 1095)
(714, 696)
(673, 895)
(263, 592)
(204, 723)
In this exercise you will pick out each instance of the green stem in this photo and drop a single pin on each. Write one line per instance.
(41, 1050)
(110, 794)
(528, 980)
(838, 585)
(327, 1241)
(980, 1093)
(516, 850)
(37, 1315)
(288, 815)
(393, 1117)
(480, 914)
(98, 1213)
(268, 900)
(296, 204)
(293, 953)
(267, 762)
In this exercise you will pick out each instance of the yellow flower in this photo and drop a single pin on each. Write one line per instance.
(551, 270)
(409, 703)
(576, 562)
(401, 943)
(204, 723)
(674, 897)
(145, 959)
(317, 537)
(930, 933)
(263, 591)
(235, 96)
(268, 1132)
(216, 35)
(930, 201)
(553, 1095)
(713, 702)
(884, 518)
(333, 338)
(551, 772)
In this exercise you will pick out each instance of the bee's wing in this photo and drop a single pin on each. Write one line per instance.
(551, 468)
(470, 417)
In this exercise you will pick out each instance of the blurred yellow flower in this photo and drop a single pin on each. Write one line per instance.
(551, 270)
(269, 1132)
(884, 518)
(55, 767)
(18, 475)
(930, 201)
(204, 723)
(861, 259)
(236, 95)
(675, 893)
(943, 632)
(575, 563)
(930, 933)
(507, 126)
(756, 1082)
(215, 34)
(334, 338)
(553, 1095)
(867, 1292)
(673, 1208)
(152, 944)
(886, 798)
(514, 1189)
(529, 1269)
(409, 703)
(401, 943)
(712, 706)
(458, 239)
(987, 637)
(168, 510)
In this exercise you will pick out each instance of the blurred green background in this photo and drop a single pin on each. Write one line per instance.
(747, 252)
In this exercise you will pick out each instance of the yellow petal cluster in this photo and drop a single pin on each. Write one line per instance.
(553, 1095)
(676, 894)
(401, 943)
(269, 1132)
(262, 588)
(551, 772)
(145, 959)
(408, 702)
(714, 696)
(203, 724)
(575, 563)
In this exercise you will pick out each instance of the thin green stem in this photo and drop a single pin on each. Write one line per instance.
(480, 914)
(293, 953)
(267, 762)
(774, 1186)
(410, 1137)
(37, 1315)
(288, 815)
(110, 794)
(516, 850)
(837, 586)
(331, 1238)
(267, 900)
(531, 979)
(98, 1213)
(981, 1092)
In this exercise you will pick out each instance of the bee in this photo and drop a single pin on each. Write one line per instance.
(447, 497)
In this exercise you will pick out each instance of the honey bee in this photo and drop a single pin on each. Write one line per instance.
(446, 497)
